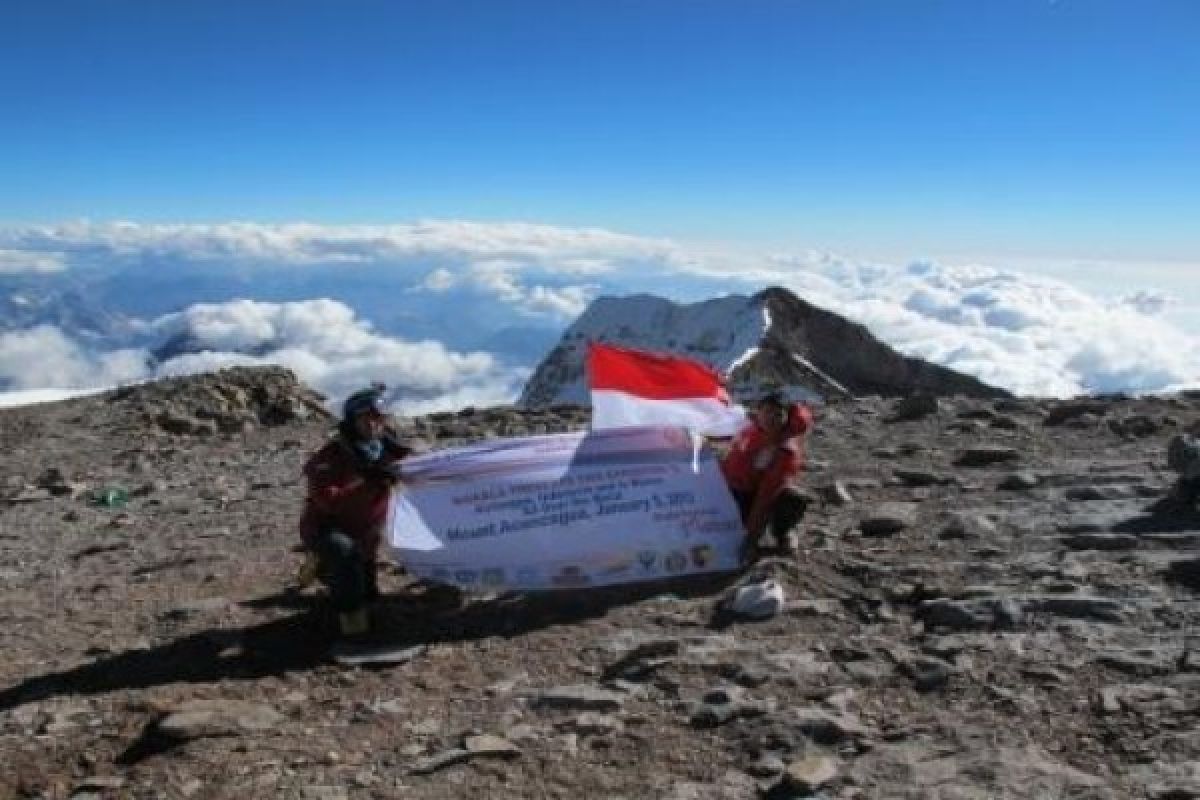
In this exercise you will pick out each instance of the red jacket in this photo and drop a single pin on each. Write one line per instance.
(756, 468)
(346, 494)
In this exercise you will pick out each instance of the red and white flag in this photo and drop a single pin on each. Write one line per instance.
(636, 387)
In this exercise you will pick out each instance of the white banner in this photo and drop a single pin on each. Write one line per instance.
(565, 511)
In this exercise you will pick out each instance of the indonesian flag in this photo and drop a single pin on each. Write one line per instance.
(635, 387)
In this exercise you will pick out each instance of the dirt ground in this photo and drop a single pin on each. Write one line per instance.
(990, 601)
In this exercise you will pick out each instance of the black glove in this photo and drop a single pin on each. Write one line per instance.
(384, 473)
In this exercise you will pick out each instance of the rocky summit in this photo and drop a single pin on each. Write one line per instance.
(773, 338)
(990, 600)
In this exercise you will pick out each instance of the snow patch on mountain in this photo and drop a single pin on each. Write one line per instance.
(771, 340)
(723, 333)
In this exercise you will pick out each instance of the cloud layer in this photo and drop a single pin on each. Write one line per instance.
(321, 340)
(1022, 331)
(14, 262)
(539, 270)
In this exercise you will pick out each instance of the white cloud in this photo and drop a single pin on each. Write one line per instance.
(1016, 329)
(29, 397)
(438, 281)
(321, 326)
(501, 279)
(1024, 332)
(535, 269)
(568, 250)
(1029, 334)
(331, 349)
(567, 302)
(322, 341)
(44, 358)
(1148, 301)
(13, 262)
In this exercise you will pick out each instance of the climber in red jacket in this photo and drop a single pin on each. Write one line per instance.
(350, 481)
(766, 456)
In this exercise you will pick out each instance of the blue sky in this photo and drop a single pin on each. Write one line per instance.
(898, 130)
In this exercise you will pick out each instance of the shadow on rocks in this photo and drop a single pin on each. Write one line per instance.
(416, 619)
(1164, 516)
(271, 648)
(302, 641)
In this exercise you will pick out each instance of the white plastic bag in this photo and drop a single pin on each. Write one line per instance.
(757, 600)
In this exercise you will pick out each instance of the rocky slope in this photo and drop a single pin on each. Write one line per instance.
(983, 607)
(773, 337)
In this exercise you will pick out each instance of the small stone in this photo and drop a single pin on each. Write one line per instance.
(591, 723)
(824, 727)
(644, 657)
(889, 519)
(1100, 541)
(195, 608)
(1133, 664)
(1136, 426)
(1109, 701)
(99, 784)
(395, 706)
(201, 718)
(966, 615)
(325, 793)
(817, 606)
(987, 456)
(439, 761)
(1073, 409)
(1018, 482)
(524, 731)
(966, 526)
(1184, 571)
(928, 674)
(919, 477)
(486, 744)
(426, 727)
(809, 774)
(1044, 676)
(579, 698)
(1085, 494)
(1078, 607)
(945, 647)
(748, 677)
(913, 407)
(767, 766)
(30, 494)
(835, 494)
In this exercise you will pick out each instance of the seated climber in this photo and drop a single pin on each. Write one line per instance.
(349, 483)
(766, 456)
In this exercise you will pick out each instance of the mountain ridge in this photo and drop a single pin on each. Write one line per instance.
(772, 338)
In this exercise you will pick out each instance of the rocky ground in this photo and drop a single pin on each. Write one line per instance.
(983, 607)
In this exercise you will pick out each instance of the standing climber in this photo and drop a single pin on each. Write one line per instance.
(349, 485)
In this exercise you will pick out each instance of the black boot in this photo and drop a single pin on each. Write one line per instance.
(371, 583)
(786, 514)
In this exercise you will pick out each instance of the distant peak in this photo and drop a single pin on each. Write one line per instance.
(773, 338)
